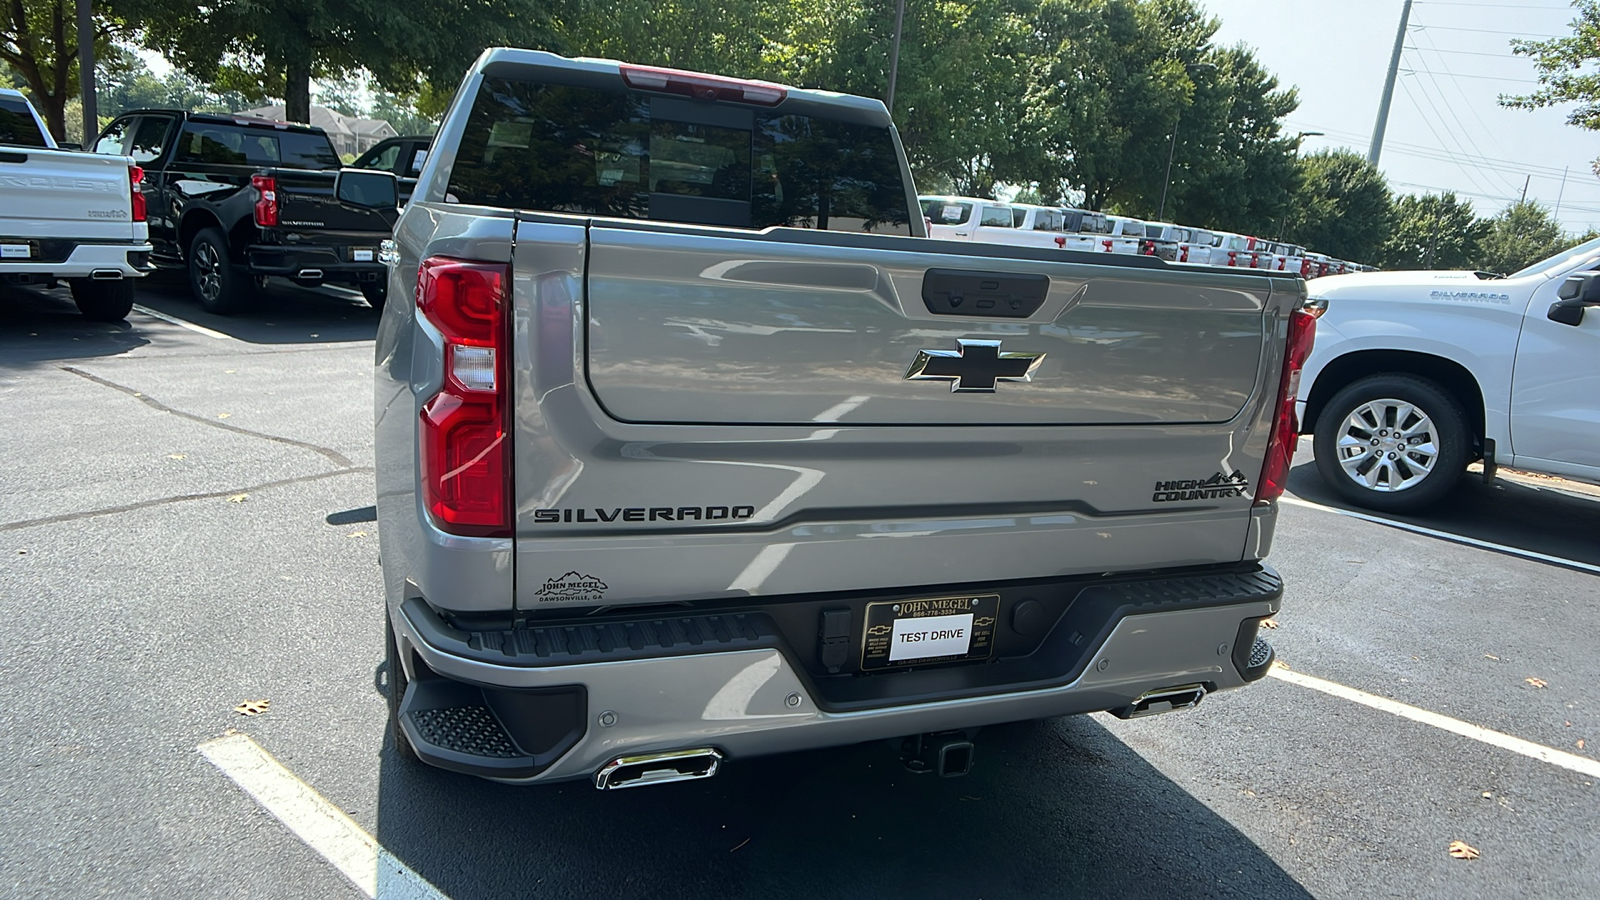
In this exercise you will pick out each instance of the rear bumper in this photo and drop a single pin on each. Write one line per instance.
(63, 259)
(746, 691)
(313, 264)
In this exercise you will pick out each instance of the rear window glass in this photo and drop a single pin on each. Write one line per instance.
(17, 127)
(632, 155)
(204, 142)
(945, 212)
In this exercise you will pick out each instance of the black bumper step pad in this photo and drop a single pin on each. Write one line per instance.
(468, 730)
(553, 645)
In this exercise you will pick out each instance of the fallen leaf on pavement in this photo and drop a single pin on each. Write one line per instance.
(1279, 664)
(224, 415)
(1580, 743)
(1487, 795)
(1463, 850)
(229, 371)
(22, 553)
(1537, 682)
(238, 498)
(354, 534)
(252, 707)
(1269, 623)
(174, 456)
(1491, 656)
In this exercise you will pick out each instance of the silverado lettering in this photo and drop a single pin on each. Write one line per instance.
(645, 514)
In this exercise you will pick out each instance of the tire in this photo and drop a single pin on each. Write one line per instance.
(397, 682)
(217, 284)
(1378, 469)
(103, 301)
(375, 293)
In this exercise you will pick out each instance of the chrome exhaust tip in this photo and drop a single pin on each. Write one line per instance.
(309, 274)
(1165, 700)
(657, 768)
(106, 275)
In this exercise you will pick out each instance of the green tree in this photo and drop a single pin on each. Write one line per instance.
(39, 43)
(1342, 206)
(1233, 168)
(1434, 231)
(278, 49)
(403, 112)
(1522, 234)
(1560, 64)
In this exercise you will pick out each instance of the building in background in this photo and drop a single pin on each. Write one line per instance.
(350, 136)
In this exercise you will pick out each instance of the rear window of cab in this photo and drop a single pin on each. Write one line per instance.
(627, 154)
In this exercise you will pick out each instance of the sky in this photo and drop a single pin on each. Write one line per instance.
(1446, 131)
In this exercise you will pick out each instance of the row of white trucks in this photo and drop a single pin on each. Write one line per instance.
(1025, 225)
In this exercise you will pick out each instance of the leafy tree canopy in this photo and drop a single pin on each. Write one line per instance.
(1522, 234)
(1434, 231)
(1341, 206)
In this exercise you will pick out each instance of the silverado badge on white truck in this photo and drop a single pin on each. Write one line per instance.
(692, 446)
(1417, 374)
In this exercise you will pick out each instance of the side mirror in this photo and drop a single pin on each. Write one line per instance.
(368, 189)
(1577, 292)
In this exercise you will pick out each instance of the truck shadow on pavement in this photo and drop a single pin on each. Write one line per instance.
(1514, 513)
(1057, 808)
(41, 326)
(283, 313)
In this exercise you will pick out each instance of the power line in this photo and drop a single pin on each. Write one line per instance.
(1422, 114)
(1490, 5)
(1473, 53)
(1482, 77)
(1511, 165)
(1538, 34)
(1468, 100)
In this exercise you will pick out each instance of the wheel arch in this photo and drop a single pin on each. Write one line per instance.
(1449, 375)
(193, 222)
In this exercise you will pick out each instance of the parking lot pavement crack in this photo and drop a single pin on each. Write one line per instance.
(338, 459)
(180, 498)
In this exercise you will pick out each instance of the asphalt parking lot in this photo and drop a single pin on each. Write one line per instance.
(185, 524)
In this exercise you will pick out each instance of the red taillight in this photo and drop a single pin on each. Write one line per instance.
(266, 200)
(136, 192)
(1233, 257)
(1285, 424)
(1183, 253)
(466, 455)
(1107, 243)
(1061, 242)
(1148, 248)
(703, 87)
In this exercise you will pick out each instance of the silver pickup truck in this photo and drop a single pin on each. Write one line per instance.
(693, 447)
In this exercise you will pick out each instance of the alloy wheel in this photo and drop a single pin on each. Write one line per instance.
(1388, 445)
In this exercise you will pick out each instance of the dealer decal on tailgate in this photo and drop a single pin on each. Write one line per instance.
(919, 632)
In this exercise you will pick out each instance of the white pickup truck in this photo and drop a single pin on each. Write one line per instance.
(1417, 374)
(69, 216)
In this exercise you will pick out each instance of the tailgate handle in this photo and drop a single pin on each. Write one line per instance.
(6, 157)
(1003, 295)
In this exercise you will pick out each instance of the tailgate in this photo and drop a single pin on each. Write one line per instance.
(708, 414)
(65, 194)
(306, 201)
(689, 329)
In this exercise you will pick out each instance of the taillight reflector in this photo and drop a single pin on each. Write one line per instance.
(466, 456)
(136, 193)
(703, 87)
(266, 200)
(1285, 424)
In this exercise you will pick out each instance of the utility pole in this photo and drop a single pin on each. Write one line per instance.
(894, 52)
(91, 114)
(1559, 193)
(1376, 149)
(1525, 189)
(1166, 182)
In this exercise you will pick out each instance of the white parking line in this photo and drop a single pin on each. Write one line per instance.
(321, 825)
(1446, 535)
(198, 329)
(1580, 764)
(837, 411)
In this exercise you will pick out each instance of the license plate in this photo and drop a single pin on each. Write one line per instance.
(361, 255)
(936, 630)
(16, 251)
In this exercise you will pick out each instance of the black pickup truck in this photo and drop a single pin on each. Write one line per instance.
(235, 199)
